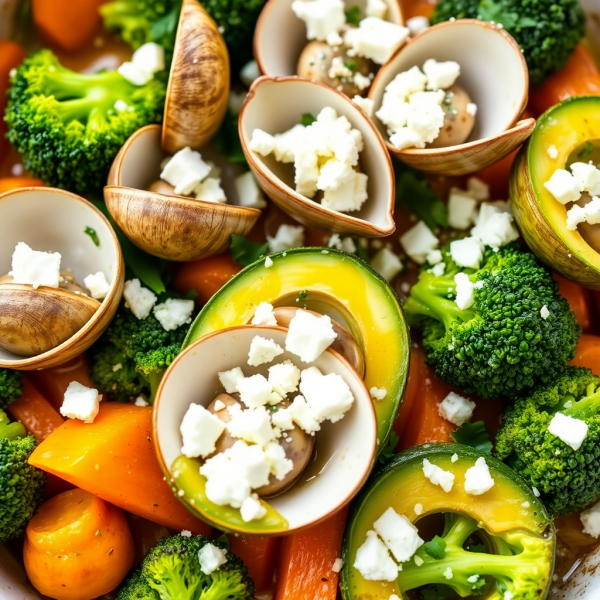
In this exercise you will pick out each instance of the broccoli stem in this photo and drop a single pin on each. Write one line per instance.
(10, 431)
(586, 407)
(154, 378)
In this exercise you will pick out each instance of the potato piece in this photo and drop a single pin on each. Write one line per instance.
(458, 123)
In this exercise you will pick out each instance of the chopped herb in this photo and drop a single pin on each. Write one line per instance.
(436, 548)
(93, 235)
(474, 435)
(353, 15)
(98, 533)
(245, 252)
(224, 540)
(387, 453)
(303, 295)
(489, 10)
(351, 64)
(307, 119)
(587, 149)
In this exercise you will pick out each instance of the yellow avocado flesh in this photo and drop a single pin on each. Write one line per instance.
(337, 284)
(499, 510)
(566, 126)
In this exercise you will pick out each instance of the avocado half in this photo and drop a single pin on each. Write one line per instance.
(503, 513)
(568, 126)
(330, 282)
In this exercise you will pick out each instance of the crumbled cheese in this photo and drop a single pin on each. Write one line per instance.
(120, 106)
(418, 509)
(589, 213)
(211, 558)
(465, 291)
(139, 401)
(375, 39)
(286, 237)
(210, 190)
(441, 75)
(362, 82)
(185, 170)
(279, 464)
(478, 479)
(80, 402)
(249, 461)
(97, 285)
(349, 196)
(282, 419)
(219, 405)
(263, 315)
(494, 226)
(256, 391)
(435, 257)
(249, 73)
(571, 431)
(471, 109)
(373, 561)
(439, 269)
(448, 574)
(418, 561)
(563, 186)
(417, 24)
(418, 242)
(454, 458)
(592, 211)
(588, 177)
(456, 409)
(328, 396)
(252, 509)
(467, 252)
(200, 430)
(387, 264)
(262, 143)
(508, 595)
(461, 209)
(334, 39)
(338, 563)
(544, 312)
(34, 267)
(309, 336)
(225, 481)
(230, 379)
(526, 504)
(590, 519)
(262, 350)
(536, 492)
(186, 533)
(138, 299)
(301, 414)
(437, 476)
(174, 312)
(398, 534)
(346, 244)
(145, 61)
(478, 189)
(552, 152)
(268, 262)
(365, 104)
(321, 17)
(378, 393)
(249, 194)
(284, 377)
(376, 8)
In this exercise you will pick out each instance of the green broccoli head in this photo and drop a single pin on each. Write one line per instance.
(171, 571)
(65, 124)
(10, 387)
(567, 479)
(20, 484)
(546, 30)
(501, 345)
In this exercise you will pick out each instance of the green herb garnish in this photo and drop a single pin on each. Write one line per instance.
(436, 548)
(489, 10)
(245, 252)
(307, 119)
(474, 435)
(587, 149)
(353, 15)
(351, 64)
(387, 453)
(93, 235)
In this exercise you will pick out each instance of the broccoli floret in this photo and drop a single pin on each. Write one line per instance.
(171, 571)
(567, 479)
(501, 345)
(546, 30)
(10, 387)
(20, 483)
(65, 125)
(519, 564)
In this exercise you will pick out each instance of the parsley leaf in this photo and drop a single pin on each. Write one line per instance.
(436, 548)
(307, 119)
(351, 64)
(353, 15)
(474, 435)
(245, 252)
(93, 235)
(167, 24)
(490, 10)
(387, 453)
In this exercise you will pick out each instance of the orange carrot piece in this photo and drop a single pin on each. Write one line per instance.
(38, 416)
(416, 379)
(417, 8)
(579, 299)
(207, 276)
(587, 353)
(14, 183)
(579, 77)
(53, 382)
(114, 458)
(258, 554)
(304, 569)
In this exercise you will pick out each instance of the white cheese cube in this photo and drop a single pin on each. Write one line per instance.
(417, 24)
(286, 237)
(441, 75)
(467, 252)
(552, 152)
(262, 143)
(437, 476)
(387, 264)
(407, 83)
(592, 211)
(378, 393)
(279, 464)
(200, 429)
(456, 409)
(301, 414)
(563, 186)
(376, 39)
(210, 190)
(263, 315)
(418, 99)
(333, 174)
(268, 262)
(211, 558)
(120, 106)
(471, 109)
(588, 177)
(230, 379)
(34, 267)
(544, 312)
(97, 285)
(328, 396)
(306, 165)
(282, 419)
(252, 426)
(435, 257)
(287, 142)
(376, 8)
(134, 73)
(284, 378)
(344, 141)
(149, 57)
(338, 563)
(249, 73)
(478, 189)
(225, 481)
(80, 402)
(439, 269)
(252, 509)
(575, 215)
(349, 197)
(185, 171)
(465, 291)
(393, 112)
(334, 39)
(398, 534)
(138, 299)
(174, 312)
(418, 242)
(478, 479)
(494, 226)
(256, 391)
(346, 244)
(590, 518)
(571, 431)
(262, 351)
(321, 17)
(249, 194)
(365, 104)
(461, 209)
(426, 121)
(251, 461)
(406, 138)
(362, 82)
(309, 336)
(373, 561)
(140, 401)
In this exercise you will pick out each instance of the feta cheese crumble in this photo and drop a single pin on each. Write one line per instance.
(174, 312)
(328, 396)
(387, 264)
(263, 350)
(309, 336)
(456, 409)
(494, 225)
(373, 561)
(465, 291)
(437, 476)
(478, 479)
(80, 402)
(418, 242)
(375, 39)
(378, 393)
(563, 186)
(185, 170)
(200, 430)
(590, 518)
(211, 558)
(252, 509)
(544, 312)
(462, 208)
(138, 299)
(230, 379)
(34, 267)
(284, 377)
(398, 534)
(97, 285)
(569, 430)
(321, 17)
(256, 391)
(249, 194)
(467, 252)
(145, 61)
(263, 315)
(286, 237)
(366, 104)
(417, 24)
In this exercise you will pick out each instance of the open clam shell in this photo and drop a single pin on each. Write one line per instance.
(280, 35)
(493, 72)
(54, 324)
(292, 97)
(171, 227)
(198, 83)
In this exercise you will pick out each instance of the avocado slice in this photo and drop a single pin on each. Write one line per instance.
(572, 127)
(508, 519)
(330, 282)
